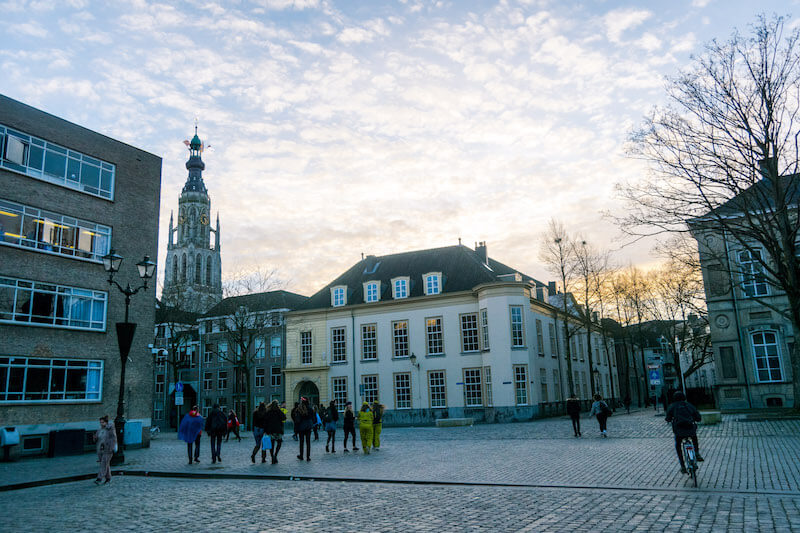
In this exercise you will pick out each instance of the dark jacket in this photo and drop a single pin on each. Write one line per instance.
(349, 420)
(274, 422)
(573, 407)
(260, 419)
(216, 423)
(330, 415)
(377, 416)
(307, 422)
(684, 417)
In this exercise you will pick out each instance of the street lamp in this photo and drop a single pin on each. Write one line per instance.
(413, 360)
(125, 330)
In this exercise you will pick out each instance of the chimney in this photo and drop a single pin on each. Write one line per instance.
(768, 167)
(551, 288)
(482, 252)
(594, 317)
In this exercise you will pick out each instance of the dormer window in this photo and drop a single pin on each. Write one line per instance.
(433, 283)
(400, 288)
(339, 296)
(372, 291)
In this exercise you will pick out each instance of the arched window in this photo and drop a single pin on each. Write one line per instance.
(208, 271)
(767, 355)
(183, 268)
(174, 268)
(198, 265)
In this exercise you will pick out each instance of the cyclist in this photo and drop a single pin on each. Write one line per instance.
(684, 417)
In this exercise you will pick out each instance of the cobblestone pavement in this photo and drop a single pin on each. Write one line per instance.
(629, 481)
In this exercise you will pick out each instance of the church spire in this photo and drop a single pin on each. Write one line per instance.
(195, 165)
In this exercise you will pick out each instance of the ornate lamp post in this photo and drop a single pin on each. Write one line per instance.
(125, 331)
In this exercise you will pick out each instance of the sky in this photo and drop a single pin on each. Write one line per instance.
(376, 127)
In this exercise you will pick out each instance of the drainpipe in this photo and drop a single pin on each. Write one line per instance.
(353, 336)
(736, 321)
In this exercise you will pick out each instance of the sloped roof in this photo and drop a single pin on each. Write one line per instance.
(261, 301)
(462, 269)
(758, 196)
(168, 314)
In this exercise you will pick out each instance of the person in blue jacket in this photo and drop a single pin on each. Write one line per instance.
(190, 431)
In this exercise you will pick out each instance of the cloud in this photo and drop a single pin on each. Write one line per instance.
(31, 29)
(620, 20)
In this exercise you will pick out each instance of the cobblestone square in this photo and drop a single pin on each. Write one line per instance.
(519, 477)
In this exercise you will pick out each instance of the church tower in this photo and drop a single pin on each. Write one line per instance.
(193, 272)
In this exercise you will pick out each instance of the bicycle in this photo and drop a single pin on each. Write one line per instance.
(690, 458)
(155, 431)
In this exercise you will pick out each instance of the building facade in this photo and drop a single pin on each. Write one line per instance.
(447, 332)
(68, 196)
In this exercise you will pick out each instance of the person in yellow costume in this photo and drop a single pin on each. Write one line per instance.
(365, 427)
(377, 425)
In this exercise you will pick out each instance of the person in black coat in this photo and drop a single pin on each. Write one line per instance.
(274, 428)
(349, 426)
(574, 412)
(329, 419)
(259, 428)
(306, 419)
(684, 417)
(216, 427)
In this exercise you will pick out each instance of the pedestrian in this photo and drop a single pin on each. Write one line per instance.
(233, 426)
(317, 421)
(627, 402)
(330, 419)
(190, 431)
(294, 419)
(274, 428)
(106, 438)
(306, 418)
(259, 429)
(684, 417)
(602, 411)
(365, 419)
(574, 412)
(216, 428)
(349, 426)
(377, 424)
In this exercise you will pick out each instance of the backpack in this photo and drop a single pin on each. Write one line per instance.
(605, 409)
(683, 417)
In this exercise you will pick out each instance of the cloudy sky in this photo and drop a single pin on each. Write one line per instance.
(382, 126)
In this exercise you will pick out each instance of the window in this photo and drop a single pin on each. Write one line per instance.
(573, 349)
(369, 384)
(24, 379)
(206, 406)
(433, 328)
(305, 347)
(369, 343)
(517, 335)
(371, 292)
(469, 333)
(437, 388)
(27, 227)
(580, 347)
(400, 338)
(539, 337)
(208, 271)
(521, 384)
(338, 345)
(50, 162)
(487, 382)
(158, 410)
(259, 348)
(222, 351)
(198, 265)
(485, 328)
(275, 376)
(400, 288)
(576, 382)
(402, 390)
(260, 376)
(60, 306)
(754, 282)
(432, 284)
(160, 384)
(556, 386)
(584, 383)
(551, 331)
(339, 388)
(473, 388)
(208, 355)
(338, 296)
(208, 381)
(275, 346)
(767, 356)
(727, 362)
(543, 384)
(222, 380)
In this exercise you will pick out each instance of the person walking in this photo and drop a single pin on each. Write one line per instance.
(684, 417)
(190, 431)
(259, 429)
(349, 426)
(274, 428)
(233, 426)
(365, 420)
(377, 425)
(574, 412)
(216, 428)
(317, 420)
(306, 418)
(106, 438)
(330, 419)
(627, 403)
(602, 411)
(294, 419)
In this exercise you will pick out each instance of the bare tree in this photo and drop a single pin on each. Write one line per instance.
(250, 281)
(724, 154)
